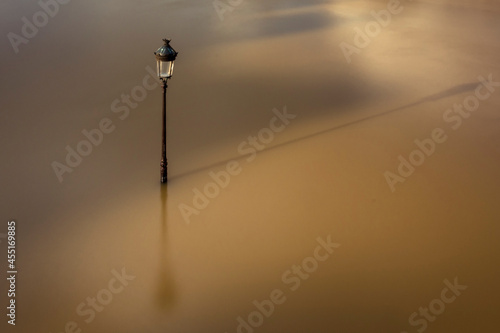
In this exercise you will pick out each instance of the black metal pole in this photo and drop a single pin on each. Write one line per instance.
(164, 163)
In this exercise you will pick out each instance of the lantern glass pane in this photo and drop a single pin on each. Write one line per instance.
(165, 69)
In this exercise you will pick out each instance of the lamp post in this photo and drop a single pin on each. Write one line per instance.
(165, 57)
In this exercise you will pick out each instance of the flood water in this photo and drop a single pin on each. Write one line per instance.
(333, 166)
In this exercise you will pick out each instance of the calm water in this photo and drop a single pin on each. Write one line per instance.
(270, 186)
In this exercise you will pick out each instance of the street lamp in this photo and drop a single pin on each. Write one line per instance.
(165, 57)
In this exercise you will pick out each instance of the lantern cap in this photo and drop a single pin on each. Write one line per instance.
(166, 52)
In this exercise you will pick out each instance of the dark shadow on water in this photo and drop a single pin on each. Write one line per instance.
(266, 6)
(166, 287)
(450, 92)
(286, 25)
(434, 97)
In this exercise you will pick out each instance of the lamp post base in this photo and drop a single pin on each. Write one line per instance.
(163, 171)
